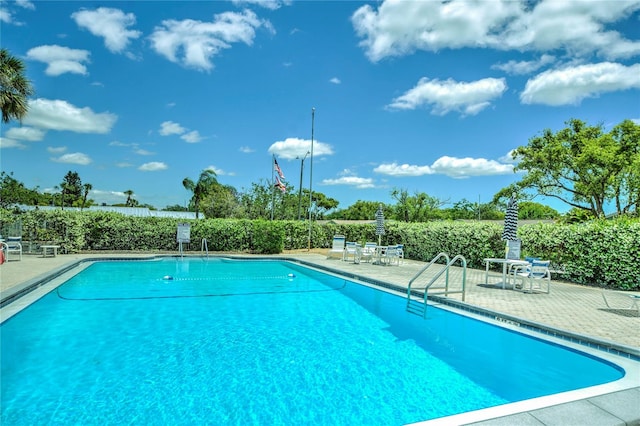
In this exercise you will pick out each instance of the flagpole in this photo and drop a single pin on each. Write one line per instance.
(273, 183)
(313, 112)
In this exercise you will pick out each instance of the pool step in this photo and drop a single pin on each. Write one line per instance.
(416, 307)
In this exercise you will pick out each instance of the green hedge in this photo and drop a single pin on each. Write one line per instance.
(603, 253)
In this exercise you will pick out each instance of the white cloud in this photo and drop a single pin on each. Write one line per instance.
(446, 96)
(140, 151)
(355, 181)
(153, 166)
(170, 128)
(191, 137)
(508, 158)
(246, 149)
(73, 158)
(292, 148)
(466, 167)
(25, 134)
(11, 143)
(572, 85)
(449, 166)
(267, 4)
(60, 59)
(219, 172)
(61, 115)
(394, 169)
(109, 23)
(579, 27)
(335, 80)
(197, 42)
(524, 67)
(56, 149)
(26, 4)
(108, 197)
(5, 16)
(123, 164)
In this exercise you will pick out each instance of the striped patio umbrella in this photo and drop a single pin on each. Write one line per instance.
(511, 220)
(379, 224)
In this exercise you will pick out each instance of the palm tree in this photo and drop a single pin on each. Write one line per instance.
(87, 187)
(14, 87)
(205, 184)
(129, 194)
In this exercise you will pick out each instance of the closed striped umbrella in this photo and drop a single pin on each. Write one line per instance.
(511, 220)
(379, 223)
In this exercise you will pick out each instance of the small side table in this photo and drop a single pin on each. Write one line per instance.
(50, 249)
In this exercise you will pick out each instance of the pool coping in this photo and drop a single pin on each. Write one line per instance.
(603, 408)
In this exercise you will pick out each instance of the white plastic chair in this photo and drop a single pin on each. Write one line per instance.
(400, 250)
(337, 249)
(368, 251)
(351, 249)
(391, 255)
(13, 245)
(537, 274)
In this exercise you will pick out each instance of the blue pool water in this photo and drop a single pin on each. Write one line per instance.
(260, 342)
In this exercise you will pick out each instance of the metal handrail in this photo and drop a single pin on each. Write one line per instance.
(421, 271)
(445, 270)
(204, 246)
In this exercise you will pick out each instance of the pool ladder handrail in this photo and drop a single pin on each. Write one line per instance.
(204, 247)
(445, 270)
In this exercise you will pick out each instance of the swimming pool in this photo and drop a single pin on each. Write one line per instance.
(261, 342)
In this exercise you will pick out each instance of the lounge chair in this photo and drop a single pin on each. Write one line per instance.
(12, 245)
(337, 248)
(623, 302)
(536, 274)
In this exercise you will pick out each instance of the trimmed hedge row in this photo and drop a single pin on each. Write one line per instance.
(603, 253)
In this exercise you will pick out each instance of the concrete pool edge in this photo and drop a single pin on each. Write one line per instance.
(585, 409)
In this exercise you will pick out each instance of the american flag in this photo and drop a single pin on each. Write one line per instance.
(281, 186)
(277, 168)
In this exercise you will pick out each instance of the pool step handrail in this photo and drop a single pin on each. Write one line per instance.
(411, 304)
(204, 247)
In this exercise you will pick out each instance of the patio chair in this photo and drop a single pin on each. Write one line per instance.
(13, 245)
(337, 249)
(368, 251)
(536, 274)
(391, 255)
(400, 249)
(351, 249)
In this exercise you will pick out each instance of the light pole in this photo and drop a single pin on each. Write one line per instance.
(313, 112)
(300, 187)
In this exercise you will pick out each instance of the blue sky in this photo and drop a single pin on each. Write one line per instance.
(425, 96)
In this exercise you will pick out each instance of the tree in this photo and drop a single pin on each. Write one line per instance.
(130, 202)
(531, 210)
(14, 192)
(14, 87)
(419, 207)
(201, 188)
(583, 167)
(72, 190)
(86, 188)
(223, 202)
(360, 210)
